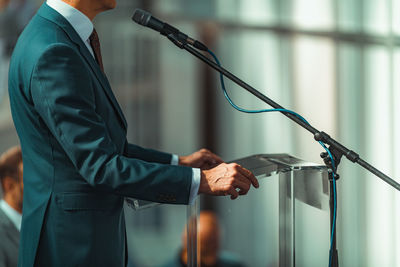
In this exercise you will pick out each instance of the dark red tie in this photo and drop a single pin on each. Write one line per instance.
(95, 44)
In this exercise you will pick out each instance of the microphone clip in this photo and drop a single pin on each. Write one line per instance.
(179, 42)
(179, 39)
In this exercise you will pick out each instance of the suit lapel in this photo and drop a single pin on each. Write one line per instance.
(103, 80)
(52, 15)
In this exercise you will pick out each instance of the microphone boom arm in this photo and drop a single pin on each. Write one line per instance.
(318, 135)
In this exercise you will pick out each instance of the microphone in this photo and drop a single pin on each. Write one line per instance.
(146, 19)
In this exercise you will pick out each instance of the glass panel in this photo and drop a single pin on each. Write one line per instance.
(396, 16)
(287, 214)
(251, 225)
(311, 218)
(376, 16)
(313, 14)
(349, 15)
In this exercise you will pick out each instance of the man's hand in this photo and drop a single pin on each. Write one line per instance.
(203, 159)
(225, 179)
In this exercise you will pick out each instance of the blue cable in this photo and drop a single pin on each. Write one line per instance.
(303, 119)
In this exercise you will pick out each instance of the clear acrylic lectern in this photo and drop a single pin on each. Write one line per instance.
(283, 223)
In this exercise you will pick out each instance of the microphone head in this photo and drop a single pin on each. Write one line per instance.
(141, 17)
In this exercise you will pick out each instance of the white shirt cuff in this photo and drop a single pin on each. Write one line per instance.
(194, 189)
(174, 159)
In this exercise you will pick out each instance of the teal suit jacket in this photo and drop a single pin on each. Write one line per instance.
(78, 165)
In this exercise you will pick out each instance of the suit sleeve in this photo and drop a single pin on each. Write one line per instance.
(150, 155)
(63, 95)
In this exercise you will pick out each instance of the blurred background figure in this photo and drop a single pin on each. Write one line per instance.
(209, 235)
(11, 172)
(14, 15)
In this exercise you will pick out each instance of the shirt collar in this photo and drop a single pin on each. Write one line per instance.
(14, 216)
(79, 21)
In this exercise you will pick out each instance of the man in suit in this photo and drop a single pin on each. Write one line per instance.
(10, 206)
(78, 165)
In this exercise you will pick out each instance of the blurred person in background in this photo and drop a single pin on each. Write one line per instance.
(10, 206)
(208, 245)
(14, 15)
(7, 30)
(78, 163)
(3, 4)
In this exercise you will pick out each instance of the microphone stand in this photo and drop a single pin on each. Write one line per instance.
(335, 147)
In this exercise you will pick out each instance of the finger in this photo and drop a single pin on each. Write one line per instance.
(231, 191)
(241, 183)
(248, 174)
(243, 187)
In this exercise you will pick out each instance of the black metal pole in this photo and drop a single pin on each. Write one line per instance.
(333, 253)
(318, 135)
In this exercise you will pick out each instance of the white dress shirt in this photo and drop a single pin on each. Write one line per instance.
(84, 27)
(14, 216)
(79, 21)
